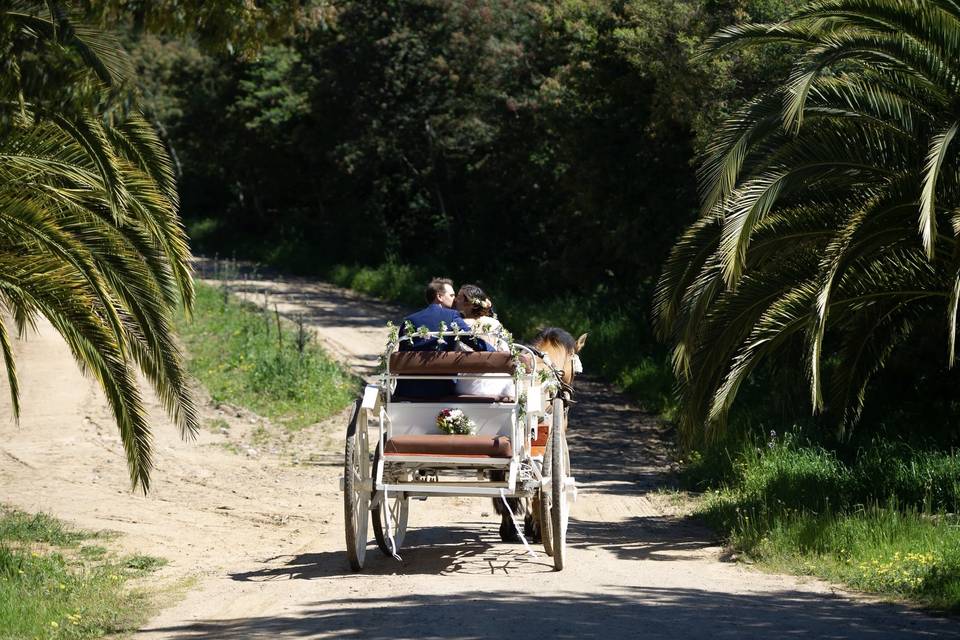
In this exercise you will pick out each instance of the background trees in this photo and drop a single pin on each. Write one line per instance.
(531, 143)
(550, 149)
(545, 149)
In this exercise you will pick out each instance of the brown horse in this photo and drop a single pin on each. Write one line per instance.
(560, 350)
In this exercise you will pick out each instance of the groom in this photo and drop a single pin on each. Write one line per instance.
(439, 296)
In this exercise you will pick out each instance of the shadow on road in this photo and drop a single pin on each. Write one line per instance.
(314, 305)
(621, 612)
(471, 549)
(616, 447)
(643, 537)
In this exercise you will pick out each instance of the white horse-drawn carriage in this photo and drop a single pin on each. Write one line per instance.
(516, 446)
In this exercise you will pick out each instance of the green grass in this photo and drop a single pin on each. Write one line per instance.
(143, 564)
(23, 527)
(882, 522)
(235, 351)
(217, 425)
(881, 549)
(51, 587)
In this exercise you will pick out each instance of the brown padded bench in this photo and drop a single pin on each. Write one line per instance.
(444, 445)
(451, 363)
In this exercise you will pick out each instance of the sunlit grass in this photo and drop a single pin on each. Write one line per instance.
(884, 523)
(51, 587)
(235, 351)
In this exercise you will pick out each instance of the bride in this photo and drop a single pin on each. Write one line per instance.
(477, 311)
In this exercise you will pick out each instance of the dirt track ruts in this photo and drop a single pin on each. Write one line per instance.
(260, 531)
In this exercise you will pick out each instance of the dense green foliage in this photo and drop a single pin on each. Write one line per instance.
(237, 26)
(89, 233)
(52, 586)
(828, 235)
(236, 352)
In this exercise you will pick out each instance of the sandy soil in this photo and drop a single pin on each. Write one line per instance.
(254, 517)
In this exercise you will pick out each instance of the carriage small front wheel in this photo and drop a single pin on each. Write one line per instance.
(395, 510)
(356, 488)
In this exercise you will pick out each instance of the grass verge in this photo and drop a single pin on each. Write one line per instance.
(884, 522)
(247, 357)
(54, 585)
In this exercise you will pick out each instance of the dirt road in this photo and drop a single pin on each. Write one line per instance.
(256, 521)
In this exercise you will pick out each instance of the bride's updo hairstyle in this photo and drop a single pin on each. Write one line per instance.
(480, 304)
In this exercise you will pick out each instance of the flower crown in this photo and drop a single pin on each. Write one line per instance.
(483, 303)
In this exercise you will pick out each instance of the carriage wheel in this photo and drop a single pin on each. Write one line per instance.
(559, 468)
(356, 488)
(543, 503)
(396, 512)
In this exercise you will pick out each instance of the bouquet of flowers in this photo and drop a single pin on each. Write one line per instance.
(453, 421)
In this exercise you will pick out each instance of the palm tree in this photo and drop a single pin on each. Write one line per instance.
(90, 238)
(830, 220)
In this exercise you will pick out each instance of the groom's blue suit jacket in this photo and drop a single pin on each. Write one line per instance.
(431, 317)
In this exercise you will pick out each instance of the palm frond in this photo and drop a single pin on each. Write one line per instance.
(810, 194)
(939, 145)
(90, 237)
(10, 366)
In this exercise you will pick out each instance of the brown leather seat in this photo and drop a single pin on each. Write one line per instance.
(451, 363)
(444, 445)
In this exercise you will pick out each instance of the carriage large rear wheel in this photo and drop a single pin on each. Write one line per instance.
(559, 469)
(543, 501)
(395, 510)
(356, 488)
